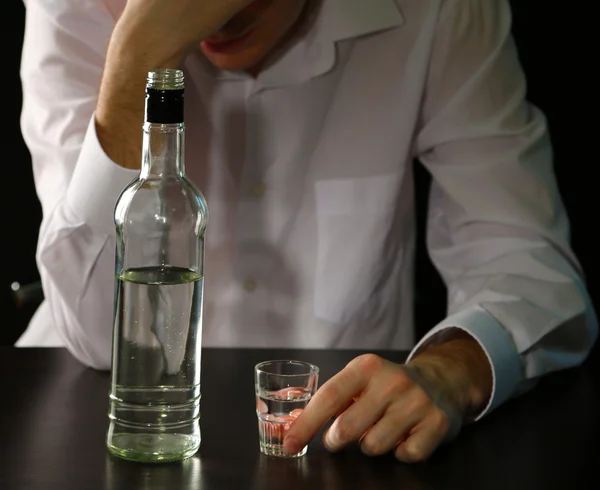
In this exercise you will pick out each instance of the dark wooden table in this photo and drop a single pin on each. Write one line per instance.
(53, 415)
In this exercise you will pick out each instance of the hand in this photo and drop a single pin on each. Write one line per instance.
(409, 409)
(150, 34)
(164, 30)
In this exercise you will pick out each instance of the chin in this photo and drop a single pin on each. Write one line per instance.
(242, 61)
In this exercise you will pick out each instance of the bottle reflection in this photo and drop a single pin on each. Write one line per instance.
(124, 475)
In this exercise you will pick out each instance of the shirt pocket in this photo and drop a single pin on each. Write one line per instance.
(355, 232)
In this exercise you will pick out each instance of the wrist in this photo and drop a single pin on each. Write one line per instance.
(460, 365)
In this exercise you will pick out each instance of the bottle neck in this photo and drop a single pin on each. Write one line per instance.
(163, 150)
(163, 144)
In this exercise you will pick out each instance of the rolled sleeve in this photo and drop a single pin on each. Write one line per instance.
(96, 184)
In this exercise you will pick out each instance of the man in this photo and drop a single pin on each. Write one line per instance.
(303, 119)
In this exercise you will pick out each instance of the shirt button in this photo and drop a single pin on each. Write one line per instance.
(250, 285)
(259, 189)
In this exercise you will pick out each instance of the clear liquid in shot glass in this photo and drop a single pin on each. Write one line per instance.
(276, 410)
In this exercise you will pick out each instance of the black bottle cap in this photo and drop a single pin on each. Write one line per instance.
(164, 106)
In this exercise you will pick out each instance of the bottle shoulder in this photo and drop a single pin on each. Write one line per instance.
(173, 199)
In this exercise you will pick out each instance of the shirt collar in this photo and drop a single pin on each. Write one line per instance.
(314, 54)
(346, 19)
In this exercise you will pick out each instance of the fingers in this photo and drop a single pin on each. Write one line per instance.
(387, 433)
(350, 426)
(330, 400)
(412, 424)
(423, 440)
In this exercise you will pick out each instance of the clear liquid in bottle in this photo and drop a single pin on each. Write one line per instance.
(155, 397)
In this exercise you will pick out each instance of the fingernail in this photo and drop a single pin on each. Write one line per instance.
(291, 445)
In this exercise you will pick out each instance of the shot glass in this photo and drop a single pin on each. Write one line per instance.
(283, 388)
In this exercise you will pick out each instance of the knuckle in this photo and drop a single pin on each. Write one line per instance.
(412, 453)
(441, 421)
(372, 446)
(399, 382)
(419, 402)
(341, 433)
(391, 390)
(367, 362)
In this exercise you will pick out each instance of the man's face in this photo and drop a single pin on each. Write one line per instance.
(251, 35)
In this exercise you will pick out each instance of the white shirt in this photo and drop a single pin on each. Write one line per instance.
(307, 171)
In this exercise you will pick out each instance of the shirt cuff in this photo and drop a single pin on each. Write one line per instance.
(496, 342)
(96, 184)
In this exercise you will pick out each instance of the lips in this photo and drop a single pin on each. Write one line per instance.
(239, 27)
(219, 44)
(231, 36)
(224, 39)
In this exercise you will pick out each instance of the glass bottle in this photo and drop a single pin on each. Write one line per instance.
(160, 221)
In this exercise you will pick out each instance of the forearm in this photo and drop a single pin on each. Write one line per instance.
(118, 119)
(119, 111)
